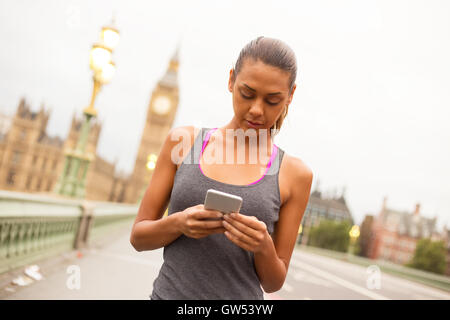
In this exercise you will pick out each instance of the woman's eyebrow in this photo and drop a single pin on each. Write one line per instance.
(270, 94)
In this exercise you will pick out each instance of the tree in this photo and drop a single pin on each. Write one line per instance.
(429, 256)
(330, 235)
(366, 236)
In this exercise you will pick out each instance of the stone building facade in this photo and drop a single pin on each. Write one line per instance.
(162, 108)
(32, 161)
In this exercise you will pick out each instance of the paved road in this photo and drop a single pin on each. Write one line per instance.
(114, 270)
(312, 276)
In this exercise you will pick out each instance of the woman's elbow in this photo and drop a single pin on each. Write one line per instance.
(134, 243)
(273, 288)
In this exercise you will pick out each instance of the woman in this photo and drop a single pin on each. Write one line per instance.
(208, 255)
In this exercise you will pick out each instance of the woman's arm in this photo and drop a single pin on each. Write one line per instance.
(272, 254)
(154, 234)
(272, 264)
(149, 230)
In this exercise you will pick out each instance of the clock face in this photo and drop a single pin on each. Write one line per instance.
(161, 105)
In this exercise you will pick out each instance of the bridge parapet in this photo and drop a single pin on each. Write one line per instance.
(34, 227)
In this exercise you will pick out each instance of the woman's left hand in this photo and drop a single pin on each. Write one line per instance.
(247, 232)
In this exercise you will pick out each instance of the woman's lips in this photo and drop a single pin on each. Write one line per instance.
(253, 124)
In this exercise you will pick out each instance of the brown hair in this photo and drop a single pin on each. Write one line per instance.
(273, 52)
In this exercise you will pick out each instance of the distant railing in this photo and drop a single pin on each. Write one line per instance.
(33, 227)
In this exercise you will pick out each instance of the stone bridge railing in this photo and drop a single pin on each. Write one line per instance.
(34, 227)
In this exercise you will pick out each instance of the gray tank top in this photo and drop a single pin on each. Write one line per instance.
(213, 267)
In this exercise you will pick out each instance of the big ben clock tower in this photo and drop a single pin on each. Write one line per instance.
(160, 116)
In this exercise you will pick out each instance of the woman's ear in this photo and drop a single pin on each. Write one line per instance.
(230, 81)
(292, 94)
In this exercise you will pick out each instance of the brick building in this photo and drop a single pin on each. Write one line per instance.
(395, 234)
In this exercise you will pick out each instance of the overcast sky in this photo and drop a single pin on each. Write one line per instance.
(371, 111)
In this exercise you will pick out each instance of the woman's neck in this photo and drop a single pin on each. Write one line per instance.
(247, 140)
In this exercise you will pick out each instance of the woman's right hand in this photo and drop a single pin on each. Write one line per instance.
(192, 222)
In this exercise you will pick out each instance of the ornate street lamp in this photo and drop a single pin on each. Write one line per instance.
(151, 162)
(110, 36)
(72, 180)
(354, 234)
(150, 165)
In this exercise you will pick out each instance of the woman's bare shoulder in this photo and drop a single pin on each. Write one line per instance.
(296, 176)
(296, 168)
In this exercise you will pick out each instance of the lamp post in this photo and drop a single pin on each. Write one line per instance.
(299, 235)
(151, 161)
(150, 165)
(354, 234)
(76, 164)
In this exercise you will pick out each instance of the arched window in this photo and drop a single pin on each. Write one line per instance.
(10, 179)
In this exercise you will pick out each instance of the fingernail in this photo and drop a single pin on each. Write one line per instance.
(233, 215)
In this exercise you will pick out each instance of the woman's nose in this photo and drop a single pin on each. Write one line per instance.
(256, 110)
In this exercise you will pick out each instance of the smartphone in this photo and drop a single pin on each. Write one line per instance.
(222, 201)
